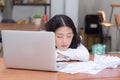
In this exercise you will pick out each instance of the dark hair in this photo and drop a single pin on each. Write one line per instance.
(62, 20)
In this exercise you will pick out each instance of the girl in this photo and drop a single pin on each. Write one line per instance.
(68, 42)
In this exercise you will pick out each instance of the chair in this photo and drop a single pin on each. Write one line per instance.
(92, 25)
(102, 17)
(117, 20)
(104, 23)
(93, 30)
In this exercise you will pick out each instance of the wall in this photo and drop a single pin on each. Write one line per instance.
(71, 9)
(57, 7)
(7, 13)
(86, 7)
(78, 15)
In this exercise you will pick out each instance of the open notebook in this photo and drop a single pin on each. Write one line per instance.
(29, 50)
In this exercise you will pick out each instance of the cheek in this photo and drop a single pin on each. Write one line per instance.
(57, 42)
(69, 40)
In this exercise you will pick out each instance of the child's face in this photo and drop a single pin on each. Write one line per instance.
(63, 37)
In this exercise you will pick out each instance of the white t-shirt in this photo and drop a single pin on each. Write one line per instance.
(81, 53)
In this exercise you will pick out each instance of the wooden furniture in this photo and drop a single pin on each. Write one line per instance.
(14, 26)
(117, 20)
(17, 1)
(93, 30)
(112, 10)
(113, 6)
(47, 6)
(17, 74)
(103, 22)
(106, 38)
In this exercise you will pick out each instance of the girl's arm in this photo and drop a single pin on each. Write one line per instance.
(81, 53)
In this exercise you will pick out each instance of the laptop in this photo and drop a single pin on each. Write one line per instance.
(29, 50)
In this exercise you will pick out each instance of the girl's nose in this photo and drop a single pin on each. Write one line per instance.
(64, 39)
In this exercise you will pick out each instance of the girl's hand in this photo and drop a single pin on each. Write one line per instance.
(60, 55)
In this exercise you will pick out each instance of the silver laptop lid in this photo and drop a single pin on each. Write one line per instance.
(29, 50)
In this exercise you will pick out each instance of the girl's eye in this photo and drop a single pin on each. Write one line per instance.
(69, 36)
(59, 36)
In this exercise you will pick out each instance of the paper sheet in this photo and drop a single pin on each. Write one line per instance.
(83, 67)
(92, 67)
